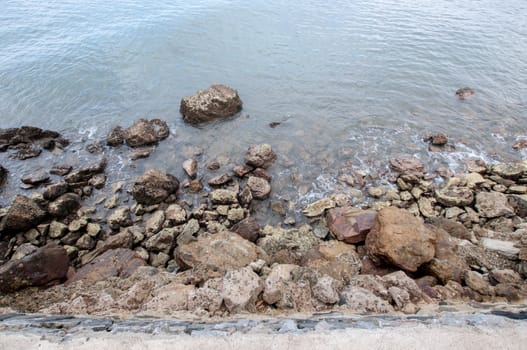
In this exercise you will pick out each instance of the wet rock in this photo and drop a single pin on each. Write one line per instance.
(260, 156)
(46, 264)
(28, 141)
(85, 174)
(115, 137)
(453, 228)
(36, 178)
(220, 180)
(120, 262)
(259, 187)
(245, 196)
(223, 197)
(23, 214)
(163, 241)
(407, 165)
(477, 283)
(520, 144)
(120, 217)
(154, 186)
(327, 290)
(25, 151)
(142, 152)
(401, 239)
(60, 170)
(363, 301)
(510, 170)
(190, 166)
(464, 93)
(350, 224)
(175, 215)
(439, 139)
(493, 204)
(240, 290)
(145, 132)
(54, 191)
(319, 207)
(216, 102)
(454, 196)
(242, 170)
(195, 186)
(57, 229)
(248, 229)
(222, 251)
(446, 264)
(287, 246)
(333, 258)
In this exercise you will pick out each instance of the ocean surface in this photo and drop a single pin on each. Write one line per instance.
(352, 83)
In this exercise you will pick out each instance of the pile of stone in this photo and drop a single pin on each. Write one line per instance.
(28, 141)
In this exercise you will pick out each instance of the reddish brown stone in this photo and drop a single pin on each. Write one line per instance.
(349, 224)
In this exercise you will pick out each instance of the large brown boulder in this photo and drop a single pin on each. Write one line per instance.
(222, 251)
(120, 262)
(23, 214)
(216, 102)
(146, 132)
(154, 186)
(350, 225)
(401, 239)
(46, 264)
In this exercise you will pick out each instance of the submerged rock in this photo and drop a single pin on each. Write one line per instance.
(401, 239)
(28, 141)
(260, 156)
(46, 264)
(154, 186)
(115, 137)
(407, 165)
(145, 132)
(464, 93)
(191, 167)
(216, 102)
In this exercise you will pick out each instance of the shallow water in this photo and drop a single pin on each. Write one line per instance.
(352, 82)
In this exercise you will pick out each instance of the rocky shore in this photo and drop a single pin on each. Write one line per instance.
(194, 246)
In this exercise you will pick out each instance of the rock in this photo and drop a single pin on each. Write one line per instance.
(506, 248)
(57, 229)
(3, 175)
(274, 283)
(259, 187)
(362, 301)
(23, 250)
(64, 205)
(28, 141)
(195, 186)
(60, 170)
(163, 241)
(46, 264)
(376, 192)
(260, 156)
(480, 256)
(124, 239)
(401, 280)
(333, 258)
(23, 214)
(36, 178)
(446, 264)
(401, 239)
(282, 289)
(142, 152)
(191, 167)
(519, 204)
(120, 262)
(115, 137)
(145, 132)
(155, 222)
(439, 139)
(248, 229)
(241, 289)
(326, 290)
(509, 276)
(453, 228)
(85, 174)
(175, 215)
(220, 180)
(350, 224)
(242, 170)
(493, 204)
(223, 197)
(120, 218)
(278, 207)
(477, 283)
(520, 144)
(54, 191)
(170, 298)
(85, 242)
(464, 93)
(287, 246)
(319, 207)
(235, 214)
(154, 186)
(373, 283)
(216, 102)
(408, 165)
(510, 170)
(222, 251)
(205, 298)
(454, 196)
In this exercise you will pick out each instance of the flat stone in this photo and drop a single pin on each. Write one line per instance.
(319, 207)
(493, 204)
(453, 196)
(506, 248)
(222, 196)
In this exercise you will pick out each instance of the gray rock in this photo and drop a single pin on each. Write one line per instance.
(326, 290)
(145, 132)
(120, 218)
(259, 187)
(361, 300)
(154, 186)
(222, 196)
(54, 191)
(155, 222)
(506, 248)
(260, 156)
(36, 178)
(191, 167)
(115, 137)
(217, 102)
